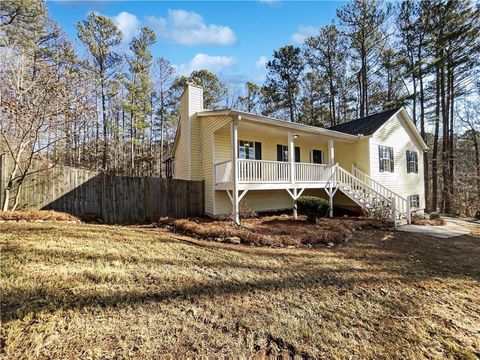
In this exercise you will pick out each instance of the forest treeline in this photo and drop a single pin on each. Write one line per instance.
(117, 111)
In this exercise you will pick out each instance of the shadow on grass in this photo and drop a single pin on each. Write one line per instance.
(422, 257)
(18, 302)
(400, 257)
(54, 256)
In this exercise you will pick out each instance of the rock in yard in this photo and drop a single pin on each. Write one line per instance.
(233, 240)
(218, 239)
(192, 311)
(330, 244)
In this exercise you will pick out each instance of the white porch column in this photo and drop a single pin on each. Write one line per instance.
(295, 208)
(291, 156)
(291, 159)
(331, 152)
(235, 201)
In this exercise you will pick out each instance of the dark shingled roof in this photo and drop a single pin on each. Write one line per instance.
(366, 125)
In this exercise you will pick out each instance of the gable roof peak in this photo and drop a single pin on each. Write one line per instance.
(366, 125)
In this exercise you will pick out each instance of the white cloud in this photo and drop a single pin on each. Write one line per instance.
(203, 61)
(303, 32)
(128, 24)
(261, 62)
(189, 28)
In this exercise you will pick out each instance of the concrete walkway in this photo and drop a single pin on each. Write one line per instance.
(452, 227)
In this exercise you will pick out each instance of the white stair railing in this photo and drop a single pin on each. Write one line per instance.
(368, 196)
(402, 205)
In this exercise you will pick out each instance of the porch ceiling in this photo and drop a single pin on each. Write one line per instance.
(253, 127)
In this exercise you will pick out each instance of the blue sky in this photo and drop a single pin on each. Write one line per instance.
(231, 38)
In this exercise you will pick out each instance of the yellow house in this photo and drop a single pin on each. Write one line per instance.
(265, 164)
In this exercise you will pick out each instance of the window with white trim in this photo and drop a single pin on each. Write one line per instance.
(385, 156)
(412, 161)
(246, 150)
(415, 201)
(282, 153)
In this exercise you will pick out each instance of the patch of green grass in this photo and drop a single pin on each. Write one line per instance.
(95, 291)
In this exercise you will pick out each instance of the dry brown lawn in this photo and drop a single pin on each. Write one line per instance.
(72, 291)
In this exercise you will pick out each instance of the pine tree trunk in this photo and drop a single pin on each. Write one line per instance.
(445, 204)
(424, 137)
(435, 142)
(104, 121)
(477, 161)
(451, 159)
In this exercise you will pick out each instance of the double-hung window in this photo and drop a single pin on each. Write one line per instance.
(250, 150)
(415, 201)
(385, 155)
(282, 153)
(412, 162)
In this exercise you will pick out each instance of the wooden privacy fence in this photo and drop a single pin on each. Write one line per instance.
(116, 199)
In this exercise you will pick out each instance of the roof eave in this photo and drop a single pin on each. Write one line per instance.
(278, 122)
(413, 128)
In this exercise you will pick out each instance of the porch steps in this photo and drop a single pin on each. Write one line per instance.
(377, 199)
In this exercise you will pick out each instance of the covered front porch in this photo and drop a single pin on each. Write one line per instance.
(253, 156)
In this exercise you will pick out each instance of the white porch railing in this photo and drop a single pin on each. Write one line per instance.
(265, 171)
(223, 172)
(305, 172)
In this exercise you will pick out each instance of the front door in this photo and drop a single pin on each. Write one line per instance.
(317, 157)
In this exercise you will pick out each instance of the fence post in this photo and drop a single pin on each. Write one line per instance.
(103, 199)
(202, 197)
(3, 169)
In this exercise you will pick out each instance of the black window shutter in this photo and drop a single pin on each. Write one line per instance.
(408, 161)
(279, 152)
(391, 159)
(258, 151)
(380, 157)
(297, 154)
(416, 162)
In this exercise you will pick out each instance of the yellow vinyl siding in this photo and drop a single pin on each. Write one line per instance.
(357, 153)
(208, 126)
(339, 199)
(182, 151)
(188, 150)
(267, 200)
(271, 200)
(395, 133)
(259, 200)
(195, 101)
(269, 145)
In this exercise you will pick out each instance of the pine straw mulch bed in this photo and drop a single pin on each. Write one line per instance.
(431, 222)
(277, 231)
(36, 216)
